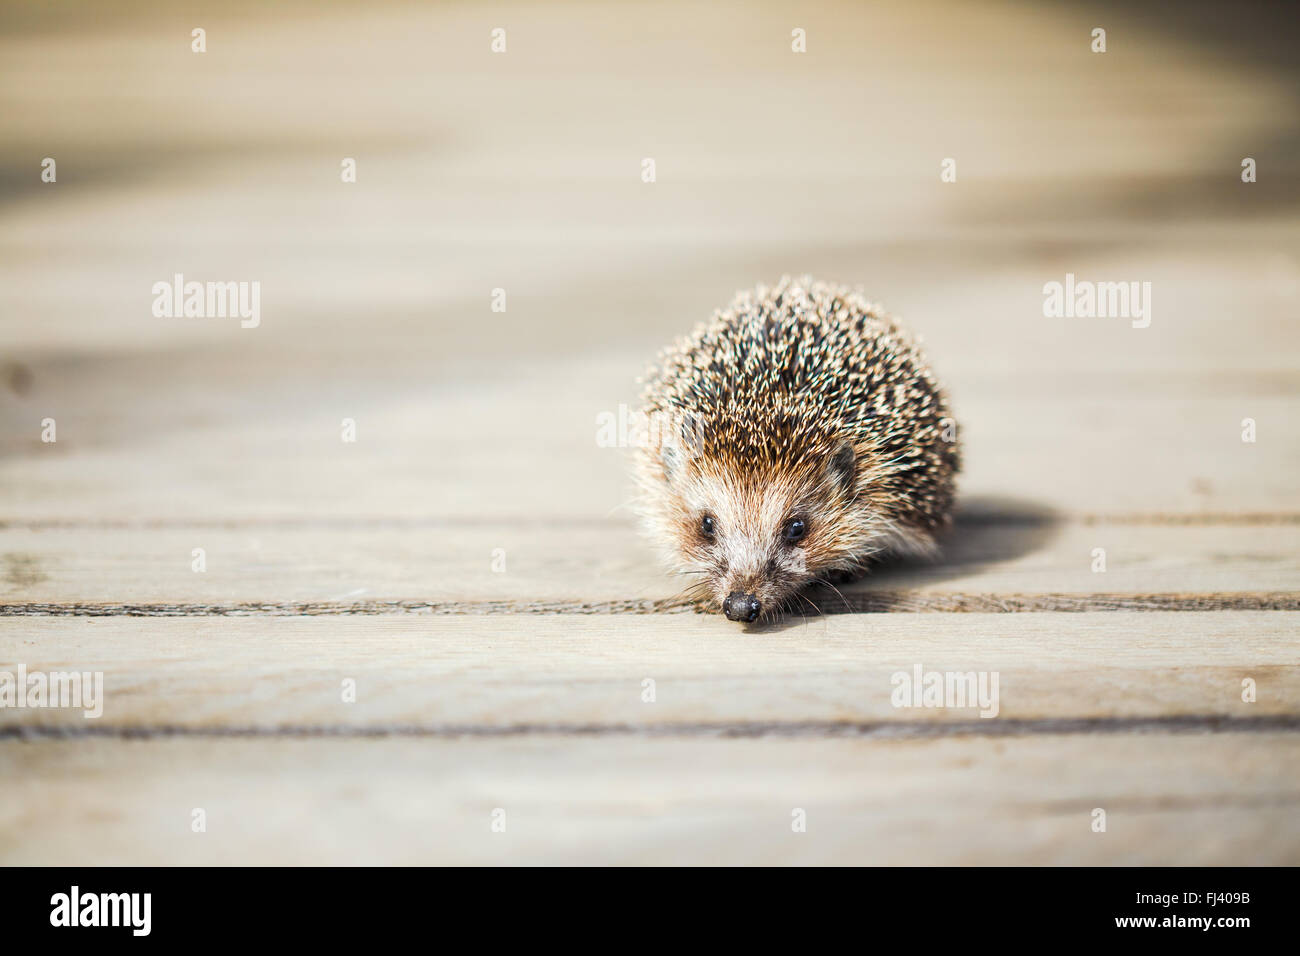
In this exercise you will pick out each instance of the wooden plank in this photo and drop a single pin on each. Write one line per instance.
(601, 562)
(879, 179)
(491, 450)
(597, 800)
(498, 673)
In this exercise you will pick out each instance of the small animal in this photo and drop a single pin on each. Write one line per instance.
(796, 438)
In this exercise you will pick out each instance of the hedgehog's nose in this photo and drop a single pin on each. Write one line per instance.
(741, 607)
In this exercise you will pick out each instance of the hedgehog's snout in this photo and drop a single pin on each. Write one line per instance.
(742, 607)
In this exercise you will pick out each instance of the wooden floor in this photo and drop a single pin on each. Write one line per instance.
(470, 563)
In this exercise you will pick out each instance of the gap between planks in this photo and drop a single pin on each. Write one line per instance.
(891, 730)
(876, 602)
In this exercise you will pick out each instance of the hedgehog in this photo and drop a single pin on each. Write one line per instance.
(797, 438)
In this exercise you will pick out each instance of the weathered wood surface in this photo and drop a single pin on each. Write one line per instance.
(1223, 800)
(477, 430)
(604, 564)
(377, 294)
(462, 672)
(524, 450)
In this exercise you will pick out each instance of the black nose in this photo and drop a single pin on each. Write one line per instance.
(741, 607)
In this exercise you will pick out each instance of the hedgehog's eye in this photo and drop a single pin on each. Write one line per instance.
(708, 527)
(795, 529)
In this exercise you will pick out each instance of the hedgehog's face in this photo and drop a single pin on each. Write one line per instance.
(757, 541)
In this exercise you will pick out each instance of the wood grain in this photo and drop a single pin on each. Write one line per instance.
(992, 560)
(575, 800)
(458, 673)
(520, 444)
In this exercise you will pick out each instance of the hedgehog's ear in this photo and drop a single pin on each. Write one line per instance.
(842, 468)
